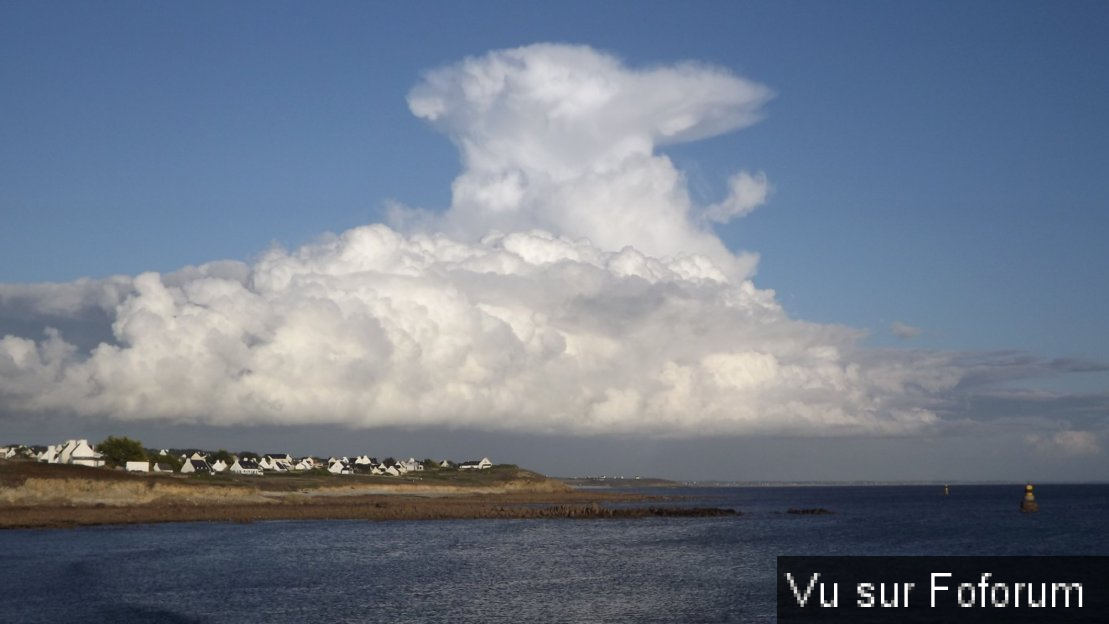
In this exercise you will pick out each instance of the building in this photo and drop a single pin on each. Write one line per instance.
(196, 466)
(340, 467)
(246, 467)
(411, 465)
(484, 464)
(83, 455)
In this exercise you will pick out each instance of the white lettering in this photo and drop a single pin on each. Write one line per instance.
(936, 588)
(1042, 602)
(882, 594)
(1067, 587)
(983, 585)
(866, 594)
(993, 595)
(835, 596)
(966, 603)
(801, 600)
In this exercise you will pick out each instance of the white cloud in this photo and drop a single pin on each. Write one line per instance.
(745, 193)
(571, 287)
(523, 331)
(1069, 443)
(562, 138)
(903, 331)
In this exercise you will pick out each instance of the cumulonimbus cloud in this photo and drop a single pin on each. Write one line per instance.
(563, 139)
(572, 286)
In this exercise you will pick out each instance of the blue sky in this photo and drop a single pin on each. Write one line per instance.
(935, 164)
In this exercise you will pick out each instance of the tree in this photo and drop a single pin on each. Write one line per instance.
(119, 451)
(170, 460)
(222, 455)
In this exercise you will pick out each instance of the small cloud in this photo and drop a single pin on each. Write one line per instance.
(745, 193)
(903, 331)
(1068, 443)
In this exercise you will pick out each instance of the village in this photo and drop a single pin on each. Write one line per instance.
(197, 462)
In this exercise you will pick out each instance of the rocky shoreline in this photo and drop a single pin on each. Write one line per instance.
(356, 508)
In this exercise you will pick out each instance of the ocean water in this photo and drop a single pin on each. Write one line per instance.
(643, 570)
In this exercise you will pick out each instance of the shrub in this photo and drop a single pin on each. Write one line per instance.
(119, 451)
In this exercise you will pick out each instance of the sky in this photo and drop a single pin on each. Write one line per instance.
(737, 241)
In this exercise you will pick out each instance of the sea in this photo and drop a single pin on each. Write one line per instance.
(639, 570)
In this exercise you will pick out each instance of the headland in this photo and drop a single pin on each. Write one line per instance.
(36, 495)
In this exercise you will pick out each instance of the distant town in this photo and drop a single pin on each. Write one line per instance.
(126, 454)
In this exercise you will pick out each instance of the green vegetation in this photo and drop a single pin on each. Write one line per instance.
(171, 460)
(119, 451)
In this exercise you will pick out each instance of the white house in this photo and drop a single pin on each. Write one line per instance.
(19, 450)
(392, 471)
(446, 463)
(77, 452)
(83, 455)
(137, 466)
(66, 451)
(305, 464)
(246, 467)
(219, 466)
(476, 465)
(271, 463)
(340, 467)
(280, 457)
(160, 467)
(49, 456)
(198, 466)
(411, 465)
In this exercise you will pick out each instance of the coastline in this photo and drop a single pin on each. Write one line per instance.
(43, 496)
(371, 508)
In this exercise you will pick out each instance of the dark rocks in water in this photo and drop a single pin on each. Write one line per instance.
(1029, 504)
(690, 512)
(816, 511)
(596, 511)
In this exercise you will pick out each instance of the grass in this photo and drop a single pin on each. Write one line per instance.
(15, 472)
